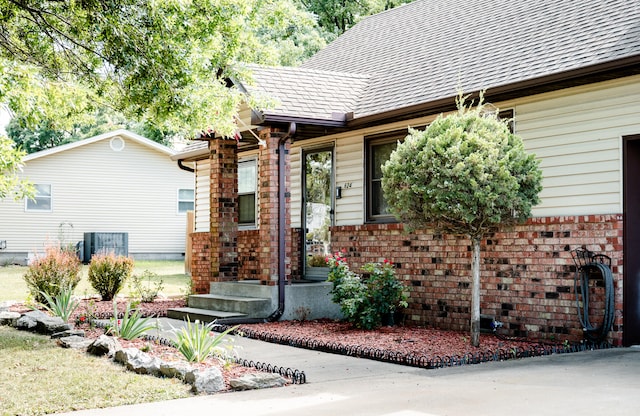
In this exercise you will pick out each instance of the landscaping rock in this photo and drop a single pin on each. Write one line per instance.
(257, 381)
(68, 333)
(51, 324)
(206, 381)
(9, 318)
(177, 369)
(138, 361)
(27, 321)
(104, 345)
(75, 342)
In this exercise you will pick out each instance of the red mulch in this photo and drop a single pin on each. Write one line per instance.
(418, 341)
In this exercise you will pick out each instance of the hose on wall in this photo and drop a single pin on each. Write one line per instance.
(593, 267)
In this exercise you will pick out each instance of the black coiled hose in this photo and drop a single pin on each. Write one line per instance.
(594, 270)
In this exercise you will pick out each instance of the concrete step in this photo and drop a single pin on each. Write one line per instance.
(202, 315)
(252, 306)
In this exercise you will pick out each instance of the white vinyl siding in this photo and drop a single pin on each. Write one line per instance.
(97, 189)
(576, 134)
(349, 176)
(202, 211)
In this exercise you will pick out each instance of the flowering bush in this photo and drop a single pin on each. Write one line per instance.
(364, 302)
(52, 273)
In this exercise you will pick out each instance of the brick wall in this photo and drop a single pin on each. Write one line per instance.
(526, 272)
(223, 209)
(200, 261)
(249, 246)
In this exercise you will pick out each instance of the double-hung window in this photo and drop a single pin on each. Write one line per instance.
(42, 200)
(378, 151)
(247, 184)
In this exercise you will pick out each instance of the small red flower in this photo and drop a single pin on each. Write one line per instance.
(82, 319)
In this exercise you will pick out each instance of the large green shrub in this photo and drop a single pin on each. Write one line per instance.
(465, 174)
(52, 273)
(366, 301)
(108, 274)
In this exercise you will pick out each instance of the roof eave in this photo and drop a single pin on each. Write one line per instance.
(580, 76)
(338, 120)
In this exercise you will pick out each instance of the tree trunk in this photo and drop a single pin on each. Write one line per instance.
(475, 293)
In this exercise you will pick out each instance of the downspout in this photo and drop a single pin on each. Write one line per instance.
(281, 239)
(282, 223)
(185, 167)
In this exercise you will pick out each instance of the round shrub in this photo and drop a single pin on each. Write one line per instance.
(56, 271)
(108, 273)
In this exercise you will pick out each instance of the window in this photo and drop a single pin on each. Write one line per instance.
(247, 181)
(186, 200)
(41, 200)
(378, 152)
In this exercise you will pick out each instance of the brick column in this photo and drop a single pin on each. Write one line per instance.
(223, 200)
(269, 208)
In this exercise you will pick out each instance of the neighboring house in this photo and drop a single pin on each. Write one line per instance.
(569, 75)
(117, 182)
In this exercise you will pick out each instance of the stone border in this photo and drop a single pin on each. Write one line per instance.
(207, 381)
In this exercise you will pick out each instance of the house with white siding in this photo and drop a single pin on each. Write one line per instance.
(566, 73)
(118, 188)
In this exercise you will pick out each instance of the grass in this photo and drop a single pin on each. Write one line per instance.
(175, 281)
(38, 377)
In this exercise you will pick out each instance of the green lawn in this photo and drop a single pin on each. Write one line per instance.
(37, 377)
(175, 281)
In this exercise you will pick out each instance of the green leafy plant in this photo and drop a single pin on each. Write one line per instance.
(196, 343)
(146, 287)
(52, 273)
(364, 302)
(132, 325)
(62, 305)
(386, 291)
(108, 273)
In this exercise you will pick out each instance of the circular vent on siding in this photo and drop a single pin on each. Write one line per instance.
(117, 144)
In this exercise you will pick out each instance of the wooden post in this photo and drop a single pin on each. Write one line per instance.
(187, 252)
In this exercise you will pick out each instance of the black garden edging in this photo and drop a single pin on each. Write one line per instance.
(296, 376)
(361, 351)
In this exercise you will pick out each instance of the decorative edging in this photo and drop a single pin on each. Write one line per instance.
(421, 361)
(296, 376)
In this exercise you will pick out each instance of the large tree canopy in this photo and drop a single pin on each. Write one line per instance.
(166, 61)
(336, 16)
(465, 174)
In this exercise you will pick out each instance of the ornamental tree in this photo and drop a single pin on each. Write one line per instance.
(466, 174)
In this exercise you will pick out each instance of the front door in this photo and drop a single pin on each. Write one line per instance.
(317, 209)
(631, 269)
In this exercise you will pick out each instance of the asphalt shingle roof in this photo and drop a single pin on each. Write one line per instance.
(308, 93)
(423, 51)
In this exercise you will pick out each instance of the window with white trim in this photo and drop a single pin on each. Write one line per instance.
(186, 200)
(247, 184)
(42, 200)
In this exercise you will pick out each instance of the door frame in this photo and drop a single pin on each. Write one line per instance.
(327, 147)
(631, 239)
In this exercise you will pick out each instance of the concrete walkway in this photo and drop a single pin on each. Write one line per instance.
(603, 382)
